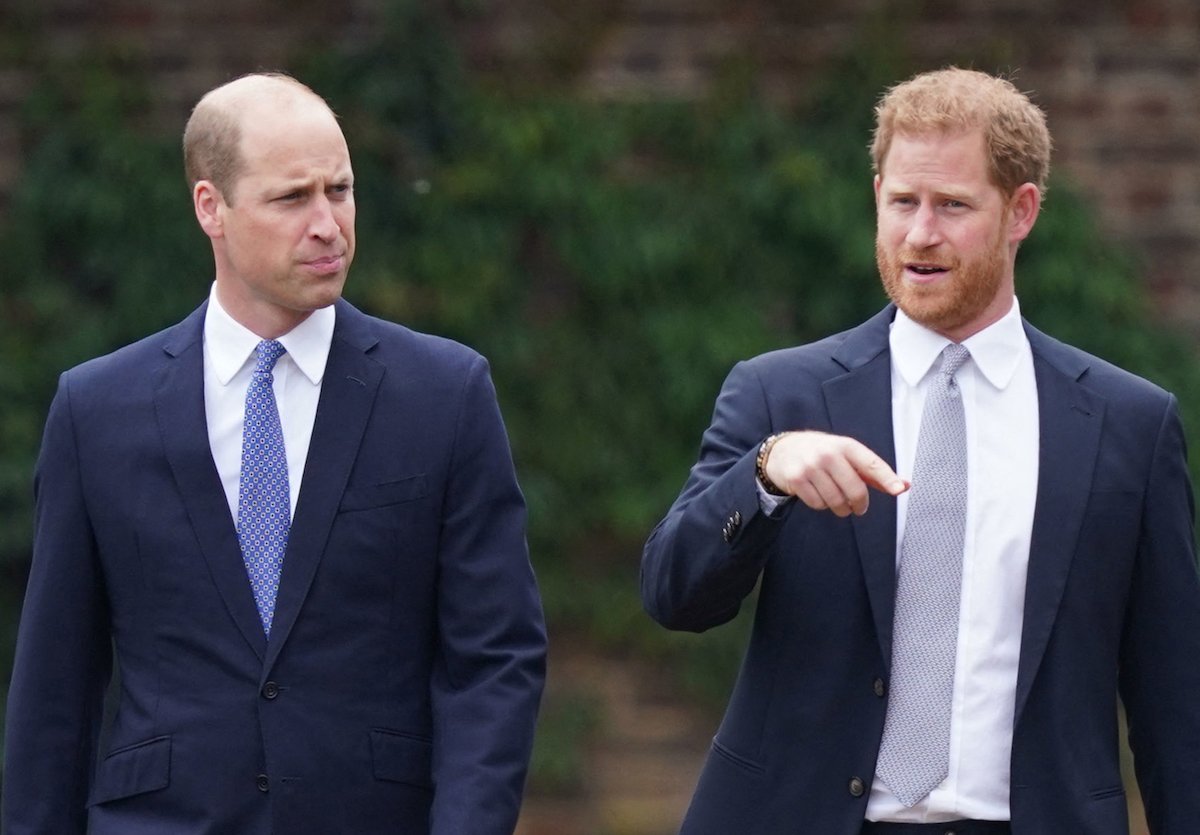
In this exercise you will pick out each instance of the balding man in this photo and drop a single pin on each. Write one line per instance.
(296, 529)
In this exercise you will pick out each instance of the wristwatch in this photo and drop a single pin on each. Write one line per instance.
(760, 465)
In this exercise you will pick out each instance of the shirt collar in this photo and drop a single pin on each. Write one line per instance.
(996, 350)
(230, 344)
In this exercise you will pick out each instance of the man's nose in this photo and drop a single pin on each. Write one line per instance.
(322, 223)
(924, 231)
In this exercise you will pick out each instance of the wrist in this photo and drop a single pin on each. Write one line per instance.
(760, 465)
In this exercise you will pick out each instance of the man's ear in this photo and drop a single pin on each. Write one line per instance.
(1024, 206)
(209, 205)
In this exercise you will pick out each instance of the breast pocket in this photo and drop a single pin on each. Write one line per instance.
(382, 533)
(393, 492)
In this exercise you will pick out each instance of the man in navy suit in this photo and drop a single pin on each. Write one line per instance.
(1075, 546)
(385, 677)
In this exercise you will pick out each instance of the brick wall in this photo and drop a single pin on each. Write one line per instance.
(1120, 79)
(177, 48)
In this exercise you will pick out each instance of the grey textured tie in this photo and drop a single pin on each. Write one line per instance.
(914, 755)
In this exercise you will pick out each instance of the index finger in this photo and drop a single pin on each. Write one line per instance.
(874, 470)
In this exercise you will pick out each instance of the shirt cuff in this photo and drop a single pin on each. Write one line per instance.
(769, 503)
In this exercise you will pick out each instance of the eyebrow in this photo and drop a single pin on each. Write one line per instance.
(286, 184)
(963, 195)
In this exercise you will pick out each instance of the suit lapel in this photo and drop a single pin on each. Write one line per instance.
(860, 406)
(347, 394)
(1070, 418)
(179, 407)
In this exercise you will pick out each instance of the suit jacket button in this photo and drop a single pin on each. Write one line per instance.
(731, 525)
(857, 787)
(270, 690)
(879, 688)
(262, 782)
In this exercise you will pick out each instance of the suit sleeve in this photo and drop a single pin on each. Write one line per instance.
(706, 555)
(490, 668)
(63, 654)
(1160, 658)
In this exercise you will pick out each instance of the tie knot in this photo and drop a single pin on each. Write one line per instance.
(267, 353)
(953, 357)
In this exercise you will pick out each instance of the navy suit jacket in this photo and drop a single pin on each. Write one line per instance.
(399, 688)
(1112, 601)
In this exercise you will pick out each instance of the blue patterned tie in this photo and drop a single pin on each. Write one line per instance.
(914, 755)
(264, 504)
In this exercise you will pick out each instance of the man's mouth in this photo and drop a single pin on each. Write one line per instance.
(326, 264)
(926, 269)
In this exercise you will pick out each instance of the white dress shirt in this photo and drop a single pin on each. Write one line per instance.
(1001, 408)
(228, 367)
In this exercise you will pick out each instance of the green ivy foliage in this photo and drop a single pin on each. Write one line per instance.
(613, 260)
(100, 246)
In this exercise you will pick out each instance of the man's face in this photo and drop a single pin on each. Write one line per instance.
(945, 242)
(285, 236)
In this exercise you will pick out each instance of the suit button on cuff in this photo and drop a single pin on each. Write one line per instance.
(270, 690)
(732, 524)
(857, 787)
(262, 782)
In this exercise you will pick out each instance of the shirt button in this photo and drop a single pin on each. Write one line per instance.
(857, 787)
(270, 690)
(880, 690)
(262, 782)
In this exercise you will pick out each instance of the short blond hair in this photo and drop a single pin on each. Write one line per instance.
(953, 99)
(213, 134)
